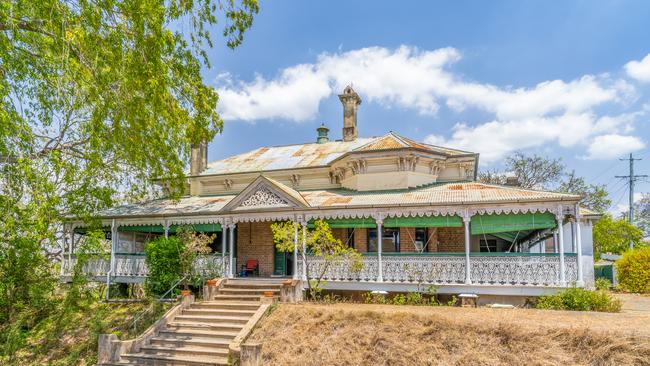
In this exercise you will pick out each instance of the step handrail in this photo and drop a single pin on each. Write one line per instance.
(154, 302)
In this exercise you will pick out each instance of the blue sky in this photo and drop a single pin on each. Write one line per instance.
(563, 79)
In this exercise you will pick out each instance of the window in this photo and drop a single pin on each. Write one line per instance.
(420, 239)
(350, 238)
(389, 242)
(488, 245)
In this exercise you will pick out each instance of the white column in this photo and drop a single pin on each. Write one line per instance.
(224, 234)
(295, 251)
(114, 243)
(581, 280)
(166, 228)
(559, 216)
(304, 250)
(232, 248)
(468, 268)
(63, 248)
(555, 242)
(380, 235)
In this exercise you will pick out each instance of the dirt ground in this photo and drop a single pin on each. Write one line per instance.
(361, 334)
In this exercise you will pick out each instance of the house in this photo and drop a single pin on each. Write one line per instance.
(415, 211)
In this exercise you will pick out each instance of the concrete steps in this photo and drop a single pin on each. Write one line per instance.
(201, 334)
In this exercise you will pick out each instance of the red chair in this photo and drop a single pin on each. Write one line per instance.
(252, 267)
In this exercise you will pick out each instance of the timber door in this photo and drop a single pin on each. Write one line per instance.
(279, 262)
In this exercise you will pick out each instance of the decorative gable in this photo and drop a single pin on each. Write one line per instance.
(265, 193)
(264, 198)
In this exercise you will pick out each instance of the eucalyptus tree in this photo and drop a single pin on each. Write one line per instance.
(98, 97)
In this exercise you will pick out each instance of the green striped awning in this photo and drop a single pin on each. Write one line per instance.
(426, 221)
(490, 224)
(362, 223)
(203, 228)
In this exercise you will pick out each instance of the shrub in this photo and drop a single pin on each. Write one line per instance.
(580, 299)
(634, 270)
(603, 283)
(164, 263)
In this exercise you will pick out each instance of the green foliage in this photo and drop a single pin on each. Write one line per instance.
(427, 297)
(603, 284)
(319, 242)
(614, 235)
(538, 172)
(96, 99)
(164, 262)
(634, 270)
(579, 299)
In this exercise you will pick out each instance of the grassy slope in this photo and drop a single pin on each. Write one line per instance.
(332, 335)
(70, 338)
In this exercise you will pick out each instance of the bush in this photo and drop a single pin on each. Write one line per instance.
(603, 283)
(634, 270)
(164, 263)
(580, 299)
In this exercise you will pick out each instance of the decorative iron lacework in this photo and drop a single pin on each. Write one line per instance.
(135, 266)
(506, 270)
(263, 197)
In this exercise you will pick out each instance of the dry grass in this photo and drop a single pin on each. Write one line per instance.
(362, 335)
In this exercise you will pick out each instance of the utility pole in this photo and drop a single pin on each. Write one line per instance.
(631, 179)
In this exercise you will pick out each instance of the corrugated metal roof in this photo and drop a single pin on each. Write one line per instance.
(314, 154)
(436, 194)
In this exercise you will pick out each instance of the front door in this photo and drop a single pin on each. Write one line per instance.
(279, 262)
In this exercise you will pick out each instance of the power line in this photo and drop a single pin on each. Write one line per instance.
(631, 180)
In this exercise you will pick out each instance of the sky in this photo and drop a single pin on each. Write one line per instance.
(563, 79)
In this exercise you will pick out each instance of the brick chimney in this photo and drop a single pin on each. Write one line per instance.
(351, 101)
(198, 158)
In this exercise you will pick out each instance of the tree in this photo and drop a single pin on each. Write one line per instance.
(537, 172)
(97, 99)
(320, 243)
(595, 196)
(614, 236)
(642, 214)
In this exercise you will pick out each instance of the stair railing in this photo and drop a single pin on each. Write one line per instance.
(155, 302)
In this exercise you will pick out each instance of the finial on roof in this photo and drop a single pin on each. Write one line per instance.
(322, 134)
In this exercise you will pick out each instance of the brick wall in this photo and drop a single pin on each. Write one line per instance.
(451, 239)
(432, 246)
(407, 239)
(361, 240)
(255, 241)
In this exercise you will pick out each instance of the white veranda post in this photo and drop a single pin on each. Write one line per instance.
(295, 251)
(380, 235)
(231, 273)
(581, 281)
(559, 216)
(468, 269)
(304, 251)
(224, 233)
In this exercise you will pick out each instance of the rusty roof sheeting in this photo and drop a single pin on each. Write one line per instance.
(314, 154)
(437, 194)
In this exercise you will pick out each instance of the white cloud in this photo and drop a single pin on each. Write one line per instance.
(613, 146)
(553, 111)
(639, 70)
(409, 78)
